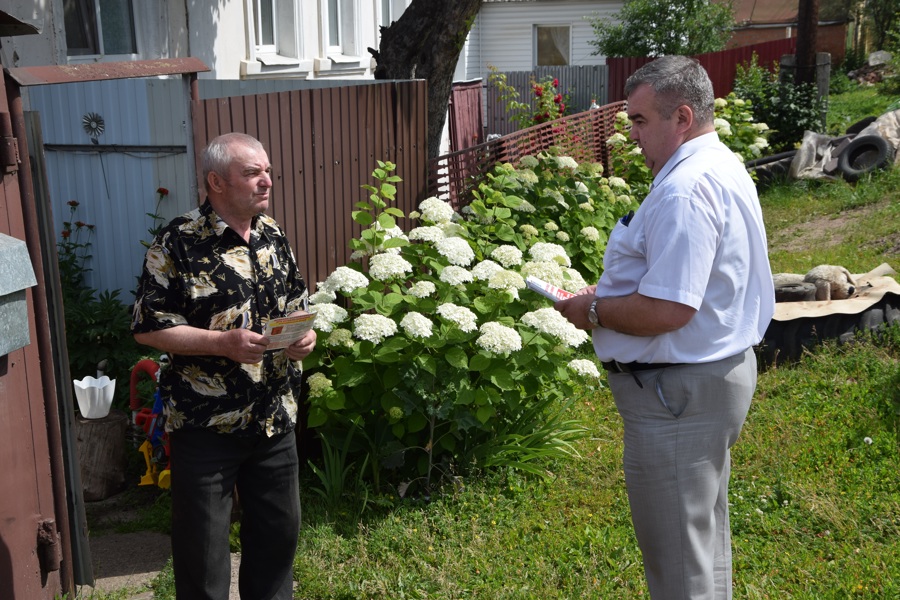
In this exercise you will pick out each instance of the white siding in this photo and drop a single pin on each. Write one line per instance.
(116, 190)
(503, 34)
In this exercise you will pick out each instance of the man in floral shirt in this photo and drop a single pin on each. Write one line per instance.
(211, 281)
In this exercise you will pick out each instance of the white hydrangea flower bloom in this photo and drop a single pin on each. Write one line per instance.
(373, 327)
(422, 289)
(507, 280)
(616, 139)
(340, 337)
(566, 162)
(416, 325)
(574, 281)
(545, 251)
(319, 385)
(507, 255)
(345, 279)
(723, 127)
(548, 270)
(636, 151)
(739, 102)
(617, 183)
(483, 270)
(386, 266)
(739, 156)
(562, 236)
(327, 315)
(551, 322)
(623, 198)
(455, 275)
(581, 188)
(585, 368)
(586, 206)
(761, 142)
(760, 127)
(456, 250)
(528, 230)
(436, 210)
(590, 234)
(529, 162)
(358, 254)
(460, 315)
(721, 102)
(551, 226)
(622, 116)
(427, 233)
(525, 207)
(322, 296)
(498, 338)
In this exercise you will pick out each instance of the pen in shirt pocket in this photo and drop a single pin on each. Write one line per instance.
(627, 218)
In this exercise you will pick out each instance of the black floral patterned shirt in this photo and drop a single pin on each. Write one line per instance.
(200, 272)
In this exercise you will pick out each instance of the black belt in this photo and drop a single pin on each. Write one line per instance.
(615, 366)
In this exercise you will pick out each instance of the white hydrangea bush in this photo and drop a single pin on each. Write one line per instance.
(430, 343)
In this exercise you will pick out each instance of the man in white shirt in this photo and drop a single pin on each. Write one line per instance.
(685, 293)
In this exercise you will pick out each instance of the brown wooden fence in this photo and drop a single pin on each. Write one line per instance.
(324, 144)
(582, 136)
(721, 66)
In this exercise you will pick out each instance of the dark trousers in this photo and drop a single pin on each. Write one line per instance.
(206, 468)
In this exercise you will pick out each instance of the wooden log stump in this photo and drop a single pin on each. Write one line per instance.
(100, 446)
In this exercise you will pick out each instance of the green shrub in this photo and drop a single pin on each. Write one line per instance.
(787, 108)
(443, 361)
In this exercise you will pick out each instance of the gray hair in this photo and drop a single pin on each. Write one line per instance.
(219, 154)
(677, 81)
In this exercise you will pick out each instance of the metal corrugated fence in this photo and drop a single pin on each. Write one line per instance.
(324, 145)
(582, 136)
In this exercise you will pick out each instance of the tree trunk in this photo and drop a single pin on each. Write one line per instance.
(425, 43)
(807, 29)
(100, 446)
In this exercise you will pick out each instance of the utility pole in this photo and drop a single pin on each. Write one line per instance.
(807, 27)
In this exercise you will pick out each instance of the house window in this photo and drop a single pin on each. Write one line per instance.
(342, 37)
(274, 25)
(552, 45)
(391, 11)
(264, 25)
(99, 27)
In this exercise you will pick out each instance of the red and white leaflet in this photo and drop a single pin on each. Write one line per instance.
(285, 331)
(551, 292)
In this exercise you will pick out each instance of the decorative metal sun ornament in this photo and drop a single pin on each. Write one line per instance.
(93, 125)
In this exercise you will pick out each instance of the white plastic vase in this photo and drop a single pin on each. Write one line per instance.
(94, 396)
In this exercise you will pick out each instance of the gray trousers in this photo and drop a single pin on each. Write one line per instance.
(206, 467)
(679, 429)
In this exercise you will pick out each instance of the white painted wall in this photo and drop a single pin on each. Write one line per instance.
(503, 34)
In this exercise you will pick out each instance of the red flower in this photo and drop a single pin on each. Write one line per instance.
(73, 203)
(66, 233)
(80, 224)
(562, 107)
(557, 98)
(162, 191)
(538, 91)
(90, 226)
(556, 83)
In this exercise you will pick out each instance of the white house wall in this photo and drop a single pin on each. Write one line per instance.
(116, 190)
(503, 34)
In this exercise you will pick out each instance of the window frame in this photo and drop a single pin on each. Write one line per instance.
(95, 29)
(537, 54)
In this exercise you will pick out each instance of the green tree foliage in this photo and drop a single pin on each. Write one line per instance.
(659, 28)
(883, 17)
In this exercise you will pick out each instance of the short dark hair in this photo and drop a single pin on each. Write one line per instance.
(677, 80)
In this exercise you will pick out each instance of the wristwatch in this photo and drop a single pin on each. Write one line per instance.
(593, 317)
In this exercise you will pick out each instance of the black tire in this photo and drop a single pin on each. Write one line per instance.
(765, 160)
(864, 154)
(860, 125)
(795, 292)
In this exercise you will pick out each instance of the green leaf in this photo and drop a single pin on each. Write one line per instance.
(505, 232)
(428, 363)
(502, 379)
(457, 357)
(386, 221)
(363, 218)
(316, 417)
(395, 212)
(388, 190)
(479, 362)
(484, 413)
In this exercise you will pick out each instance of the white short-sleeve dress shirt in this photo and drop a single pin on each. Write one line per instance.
(697, 239)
